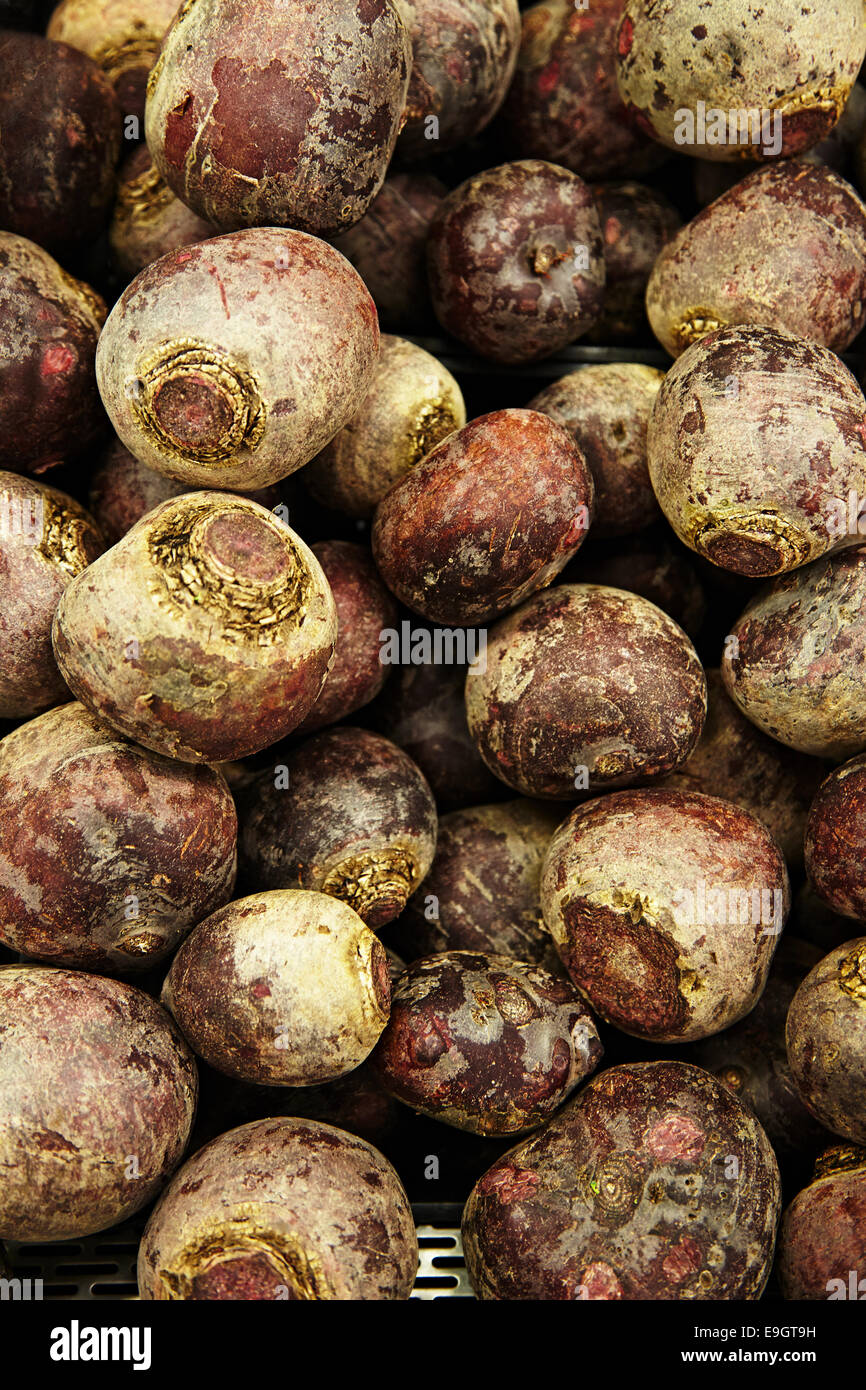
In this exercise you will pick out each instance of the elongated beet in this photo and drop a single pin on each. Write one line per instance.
(110, 853)
(484, 1042)
(346, 813)
(585, 689)
(636, 223)
(836, 840)
(606, 410)
(285, 988)
(492, 514)
(121, 36)
(304, 1211)
(793, 659)
(755, 440)
(823, 1231)
(826, 1034)
(666, 908)
(279, 114)
(46, 540)
(148, 220)
(49, 326)
(654, 1183)
(414, 403)
(232, 362)
(97, 1098)
(205, 634)
(516, 261)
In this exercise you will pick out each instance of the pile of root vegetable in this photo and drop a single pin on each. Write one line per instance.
(408, 717)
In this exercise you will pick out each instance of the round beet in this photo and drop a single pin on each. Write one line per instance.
(232, 362)
(205, 634)
(484, 1042)
(836, 840)
(121, 36)
(110, 853)
(148, 220)
(285, 988)
(347, 813)
(636, 223)
(606, 409)
(516, 261)
(585, 689)
(61, 129)
(823, 1231)
(826, 1034)
(414, 403)
(653, 1184)
(492, 514)
(46, 540)
(97, 1098)
(49, 326)
(651, 566)
(666, 908)
(279, 114)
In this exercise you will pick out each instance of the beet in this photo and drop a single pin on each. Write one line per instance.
(754, 442)
(281, 1209)
(388, 248)
(823, 1231)
(277, 350)
(836, 840)
(61, 141)
(786, 248)
(205, 634)
(563, 104)
(606, 409)
(148, 220)
(122, 38)
(516, 261)
(792, 662)
(796, 62)
(280, 114)
(484, 1042)
(114, 886)
(49, 325)
(826, 1034)
(345, 813)
(285, 988)
(97, 1098)
(636, 224)
(585, 689)
(482, 891)
(666, 908)
(654, 1183)
(648, 565)
(414, 403)
(46, 540)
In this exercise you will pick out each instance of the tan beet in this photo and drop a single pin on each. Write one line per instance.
(823, 1231)
(279, 114)
(653, 1184)
(414, 403)
(148, 220)
(281, 1209)
(636, 223)
(586, 688)
(205, 634)
(285, 988)
(666, 908)
(46, 540)
(232, 362)
(121, 36)
(836, 840)
(755, 441)
(97, 1098)
(606, 409)
(826, 1034)
(110, 853)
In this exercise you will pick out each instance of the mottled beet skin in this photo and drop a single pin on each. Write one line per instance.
(61, 141)
(484, 1042)
(653, 1184)
(121, 36)
(836, 840)
(785, 247)
(636, 224)
(110, 854)
(630, 893)
(649, 565)
(279, 114)
(516, 261)
(826, 1035)
(356, 820)
(586, 689)
(148, 220)
(563, 104)
(97, 1098)
(492, 514)
(823, 1231)
(281, 1209)
(49, 326)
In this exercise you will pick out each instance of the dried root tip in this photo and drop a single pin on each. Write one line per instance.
(697, 325)
(756, 544)
(852, 972)
(377, 886)
(143, 197)
(67, 536)
(141, 944)
(198, 403)
(544, 258)
(119, 58)
(842, 1158)
(234, 1265)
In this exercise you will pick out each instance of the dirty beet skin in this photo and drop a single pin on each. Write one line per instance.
(836, 840)
(823, 1231)
(826, 1033)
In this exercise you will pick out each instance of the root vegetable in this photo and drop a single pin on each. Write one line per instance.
(836, 840)
(823, 1231)
(826, 1034)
